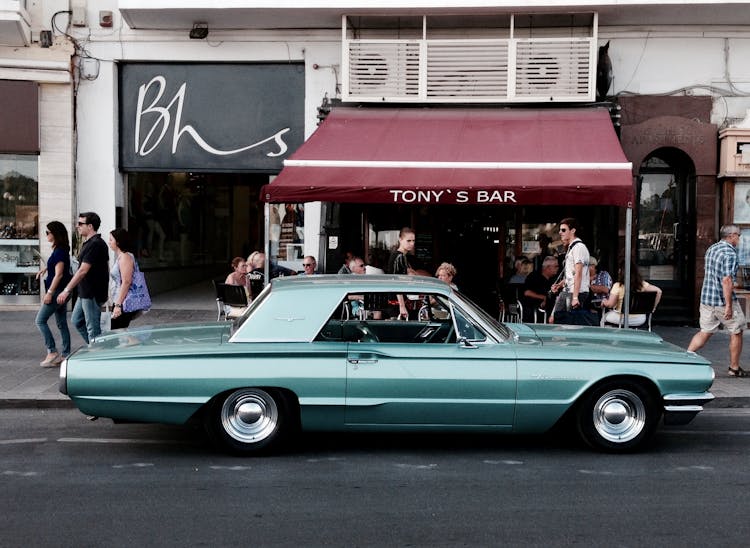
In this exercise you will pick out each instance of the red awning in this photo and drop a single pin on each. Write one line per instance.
(459, 156)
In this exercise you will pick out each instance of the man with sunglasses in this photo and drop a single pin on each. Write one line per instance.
(575, 280)
(310, 265)
(91, 278)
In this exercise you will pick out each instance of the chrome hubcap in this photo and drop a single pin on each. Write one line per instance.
(619, 416)
(249, 416)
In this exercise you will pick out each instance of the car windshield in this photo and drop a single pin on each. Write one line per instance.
(468, 305)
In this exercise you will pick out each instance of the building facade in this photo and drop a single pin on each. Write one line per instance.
(183, 115)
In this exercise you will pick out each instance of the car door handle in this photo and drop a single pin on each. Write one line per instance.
(358, 361)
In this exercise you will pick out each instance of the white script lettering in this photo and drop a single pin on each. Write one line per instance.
(164, 118)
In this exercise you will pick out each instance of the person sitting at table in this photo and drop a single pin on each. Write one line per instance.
(599, 285)
(536, 288)
(238, 276)
(617, 295)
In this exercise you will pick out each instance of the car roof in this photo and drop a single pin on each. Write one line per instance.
(297, 307)
(374, 282)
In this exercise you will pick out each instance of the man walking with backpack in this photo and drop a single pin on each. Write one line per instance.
(573, 300)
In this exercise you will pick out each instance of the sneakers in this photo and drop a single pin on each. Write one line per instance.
(739, 372)
(52, 360)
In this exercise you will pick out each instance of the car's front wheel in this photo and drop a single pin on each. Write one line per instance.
(247, 421)
(617, 416)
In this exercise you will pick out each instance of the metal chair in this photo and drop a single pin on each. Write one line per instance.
(231, 300)
(642, 306)
(511, 309)
(236, 299)
(219, 291)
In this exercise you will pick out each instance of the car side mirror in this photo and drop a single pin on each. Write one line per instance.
(465, 343)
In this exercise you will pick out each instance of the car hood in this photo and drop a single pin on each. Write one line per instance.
(184, 336)
(603, 343)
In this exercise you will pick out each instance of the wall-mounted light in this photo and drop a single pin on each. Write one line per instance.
(199, 31)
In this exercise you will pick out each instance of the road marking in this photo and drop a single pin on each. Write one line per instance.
(326, 459)
(232, 468)
(22, 474)
(417, 466)
(112, 440)
(695, 467)
(713, 433)
(509, 462)
(597, 472)
(23, 440)
(134, 465)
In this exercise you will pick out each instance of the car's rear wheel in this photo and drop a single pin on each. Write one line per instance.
(617, 416)
(247, 421)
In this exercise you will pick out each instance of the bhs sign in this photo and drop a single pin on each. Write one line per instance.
(197, 117)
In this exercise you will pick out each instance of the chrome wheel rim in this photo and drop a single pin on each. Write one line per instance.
(619, 416)
(249, 416)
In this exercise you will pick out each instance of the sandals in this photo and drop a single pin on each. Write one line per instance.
(739, 372)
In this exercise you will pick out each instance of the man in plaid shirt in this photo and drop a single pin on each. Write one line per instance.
(719, 304)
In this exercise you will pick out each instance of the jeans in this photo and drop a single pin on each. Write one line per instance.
(60, 311)
(86, 316)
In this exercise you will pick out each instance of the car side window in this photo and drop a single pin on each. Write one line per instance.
(466, 329)
(373, 318)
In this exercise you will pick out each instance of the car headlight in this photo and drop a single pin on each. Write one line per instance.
(63, 384)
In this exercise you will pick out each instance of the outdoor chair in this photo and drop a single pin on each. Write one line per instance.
(235, 299)
(231, 300)
(511, 309)
(642, 305)
(219, 291)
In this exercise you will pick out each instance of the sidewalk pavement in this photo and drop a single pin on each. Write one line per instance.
(23, 383)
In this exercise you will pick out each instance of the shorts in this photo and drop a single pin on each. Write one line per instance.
(713, 316)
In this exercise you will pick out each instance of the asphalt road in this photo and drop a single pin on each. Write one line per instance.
(65, 481)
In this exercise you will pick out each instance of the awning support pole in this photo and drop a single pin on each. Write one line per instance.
(628, 251)
(267, 242)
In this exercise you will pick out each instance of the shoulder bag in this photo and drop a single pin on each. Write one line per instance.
(138, 297)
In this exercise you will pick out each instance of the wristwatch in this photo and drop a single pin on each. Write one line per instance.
(118, 305)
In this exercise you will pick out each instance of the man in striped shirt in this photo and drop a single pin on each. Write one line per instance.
(719, 304)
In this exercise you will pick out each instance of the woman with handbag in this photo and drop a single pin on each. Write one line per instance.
(127, 286)
(58, 275)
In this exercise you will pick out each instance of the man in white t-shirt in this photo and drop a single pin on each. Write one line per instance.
(575, 283)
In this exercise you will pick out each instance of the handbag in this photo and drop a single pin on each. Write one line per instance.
(105, 319)
(138, 297)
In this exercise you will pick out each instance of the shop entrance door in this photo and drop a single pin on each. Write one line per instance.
(666, 233)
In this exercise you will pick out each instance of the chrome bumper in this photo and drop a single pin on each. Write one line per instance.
(63, 382)
(682, 408)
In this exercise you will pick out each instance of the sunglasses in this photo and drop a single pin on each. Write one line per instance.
(563, 230)
(307, 264)
(47, 232)
(81, 223)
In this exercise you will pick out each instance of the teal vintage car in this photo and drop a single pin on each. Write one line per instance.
(325, 353)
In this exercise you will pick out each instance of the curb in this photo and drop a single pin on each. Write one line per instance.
(36, 403)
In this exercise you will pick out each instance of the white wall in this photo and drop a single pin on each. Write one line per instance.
(96, 166)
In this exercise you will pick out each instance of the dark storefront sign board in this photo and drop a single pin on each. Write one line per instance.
(231, 117)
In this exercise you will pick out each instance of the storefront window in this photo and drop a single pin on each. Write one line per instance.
(19, 228)
(179, 219)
